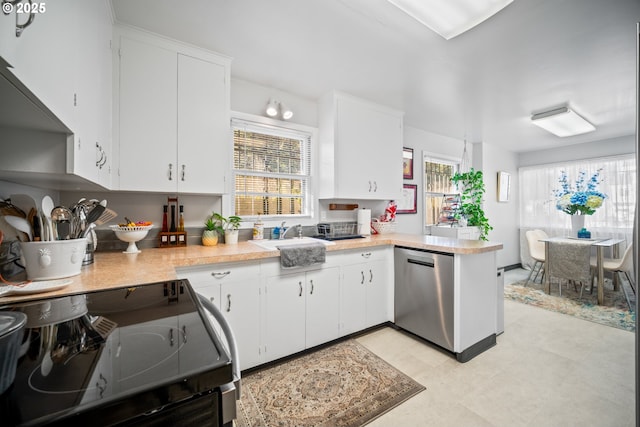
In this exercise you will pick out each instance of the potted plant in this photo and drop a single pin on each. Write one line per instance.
(213, 228)
(229, 226)
(471, 186)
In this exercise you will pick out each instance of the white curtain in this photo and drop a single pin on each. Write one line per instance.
(613, 219)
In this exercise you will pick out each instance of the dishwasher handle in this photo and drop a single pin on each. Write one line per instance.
(421, 262)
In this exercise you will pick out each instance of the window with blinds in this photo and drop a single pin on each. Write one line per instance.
(437, 182)
(271, 168)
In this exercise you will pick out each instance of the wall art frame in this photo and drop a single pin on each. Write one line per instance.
(408, 202)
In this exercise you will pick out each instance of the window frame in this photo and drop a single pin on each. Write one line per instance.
(282, 128)
(434, 158)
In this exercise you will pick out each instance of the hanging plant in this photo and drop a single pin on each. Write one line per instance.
(471, 186)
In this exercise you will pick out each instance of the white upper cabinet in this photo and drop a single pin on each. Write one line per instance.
(64, 60)
(173, 117)
(360, 149)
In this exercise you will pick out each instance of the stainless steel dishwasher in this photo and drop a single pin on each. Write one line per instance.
(424, 295)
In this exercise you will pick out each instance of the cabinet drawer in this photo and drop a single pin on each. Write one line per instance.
(357, 256)
(217, 273)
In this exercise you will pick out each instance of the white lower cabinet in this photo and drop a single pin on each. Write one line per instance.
(235, 290)
(366, 289)
(301, 311)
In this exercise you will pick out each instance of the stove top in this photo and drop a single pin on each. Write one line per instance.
(110, 355)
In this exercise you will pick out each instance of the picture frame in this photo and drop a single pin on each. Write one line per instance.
(407, 163)
(504, 186)
(408, 202)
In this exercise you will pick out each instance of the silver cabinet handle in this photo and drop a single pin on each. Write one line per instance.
(375, 186)
(170, 171)
(228, 303)
(370, 275)
(362, 281)
(171, 337)
(300, 284)
(220, 274)
(20, 27)
(184, 334)
(183, 172)
(102, 387)
(311, 282)
(366, 255)
(369, 186)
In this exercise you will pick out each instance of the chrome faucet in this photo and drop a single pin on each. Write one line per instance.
(298, 226)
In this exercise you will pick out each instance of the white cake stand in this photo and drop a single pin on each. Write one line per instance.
(131, 235)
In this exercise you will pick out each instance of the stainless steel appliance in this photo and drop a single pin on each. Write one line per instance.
(143, 355)
(424, 295)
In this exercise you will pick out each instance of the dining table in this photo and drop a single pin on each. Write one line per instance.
(600, 244)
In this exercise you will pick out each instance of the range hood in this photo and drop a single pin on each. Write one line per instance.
(20, 108)
(34, 142)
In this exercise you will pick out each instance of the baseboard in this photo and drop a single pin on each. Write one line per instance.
(512, 267)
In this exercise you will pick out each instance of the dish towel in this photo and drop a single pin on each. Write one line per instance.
(569, 261)
(302, 255)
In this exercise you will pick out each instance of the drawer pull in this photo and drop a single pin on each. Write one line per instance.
(171, 337)
(370, 275)
(228, 303)
(300, 284)
(362, 281)
(366, 254)
(184, 334)
(220, 274)
(311, 292)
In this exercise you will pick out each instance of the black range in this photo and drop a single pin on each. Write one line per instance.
(143, 355)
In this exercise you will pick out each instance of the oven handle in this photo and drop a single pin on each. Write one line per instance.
(231, 339)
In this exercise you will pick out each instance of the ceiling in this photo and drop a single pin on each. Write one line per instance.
(482, 85)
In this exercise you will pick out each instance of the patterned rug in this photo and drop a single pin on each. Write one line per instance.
(341, 385)
(615, 312)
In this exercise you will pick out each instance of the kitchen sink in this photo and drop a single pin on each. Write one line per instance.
(273, 245)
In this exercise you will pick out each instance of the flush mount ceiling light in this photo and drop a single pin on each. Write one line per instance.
(562, 122)
(274, 107)
(450, 18)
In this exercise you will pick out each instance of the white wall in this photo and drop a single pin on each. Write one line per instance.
(422, 141)
(590, 150)
(502, 216)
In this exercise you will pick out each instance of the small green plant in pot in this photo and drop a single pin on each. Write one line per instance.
(471, 186)
(213, 229)
(229, 226)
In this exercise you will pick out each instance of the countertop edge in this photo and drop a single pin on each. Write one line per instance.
(115, 269)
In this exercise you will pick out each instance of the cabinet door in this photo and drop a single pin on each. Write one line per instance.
(147, 117)
(157, 339)
(373, 137)
(240, 305)
(323, 307)
(379, 285)
(203, 126)
(353, 299)
(92, 131)
(284, 315)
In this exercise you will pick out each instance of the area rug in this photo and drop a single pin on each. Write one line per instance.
(615, 312)
(341, 385)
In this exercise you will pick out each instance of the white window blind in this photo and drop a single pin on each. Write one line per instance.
(271, 168)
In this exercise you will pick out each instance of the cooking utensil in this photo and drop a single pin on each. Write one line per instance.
(63, 223)
(107, 216)
(20, 224)
(47, 362)
(95, 213)
(47, 207)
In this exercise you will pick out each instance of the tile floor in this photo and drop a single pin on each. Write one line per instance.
(548, 369)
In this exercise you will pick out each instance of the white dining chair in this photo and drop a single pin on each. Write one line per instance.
(536, 251)
(618, 266)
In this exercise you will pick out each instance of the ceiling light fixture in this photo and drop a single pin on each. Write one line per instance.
(562, 122)
(285, 111)
(450, 18)
(272, 108)
(275, 107)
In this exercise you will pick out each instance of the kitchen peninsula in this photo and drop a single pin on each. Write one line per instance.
(358, 273)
